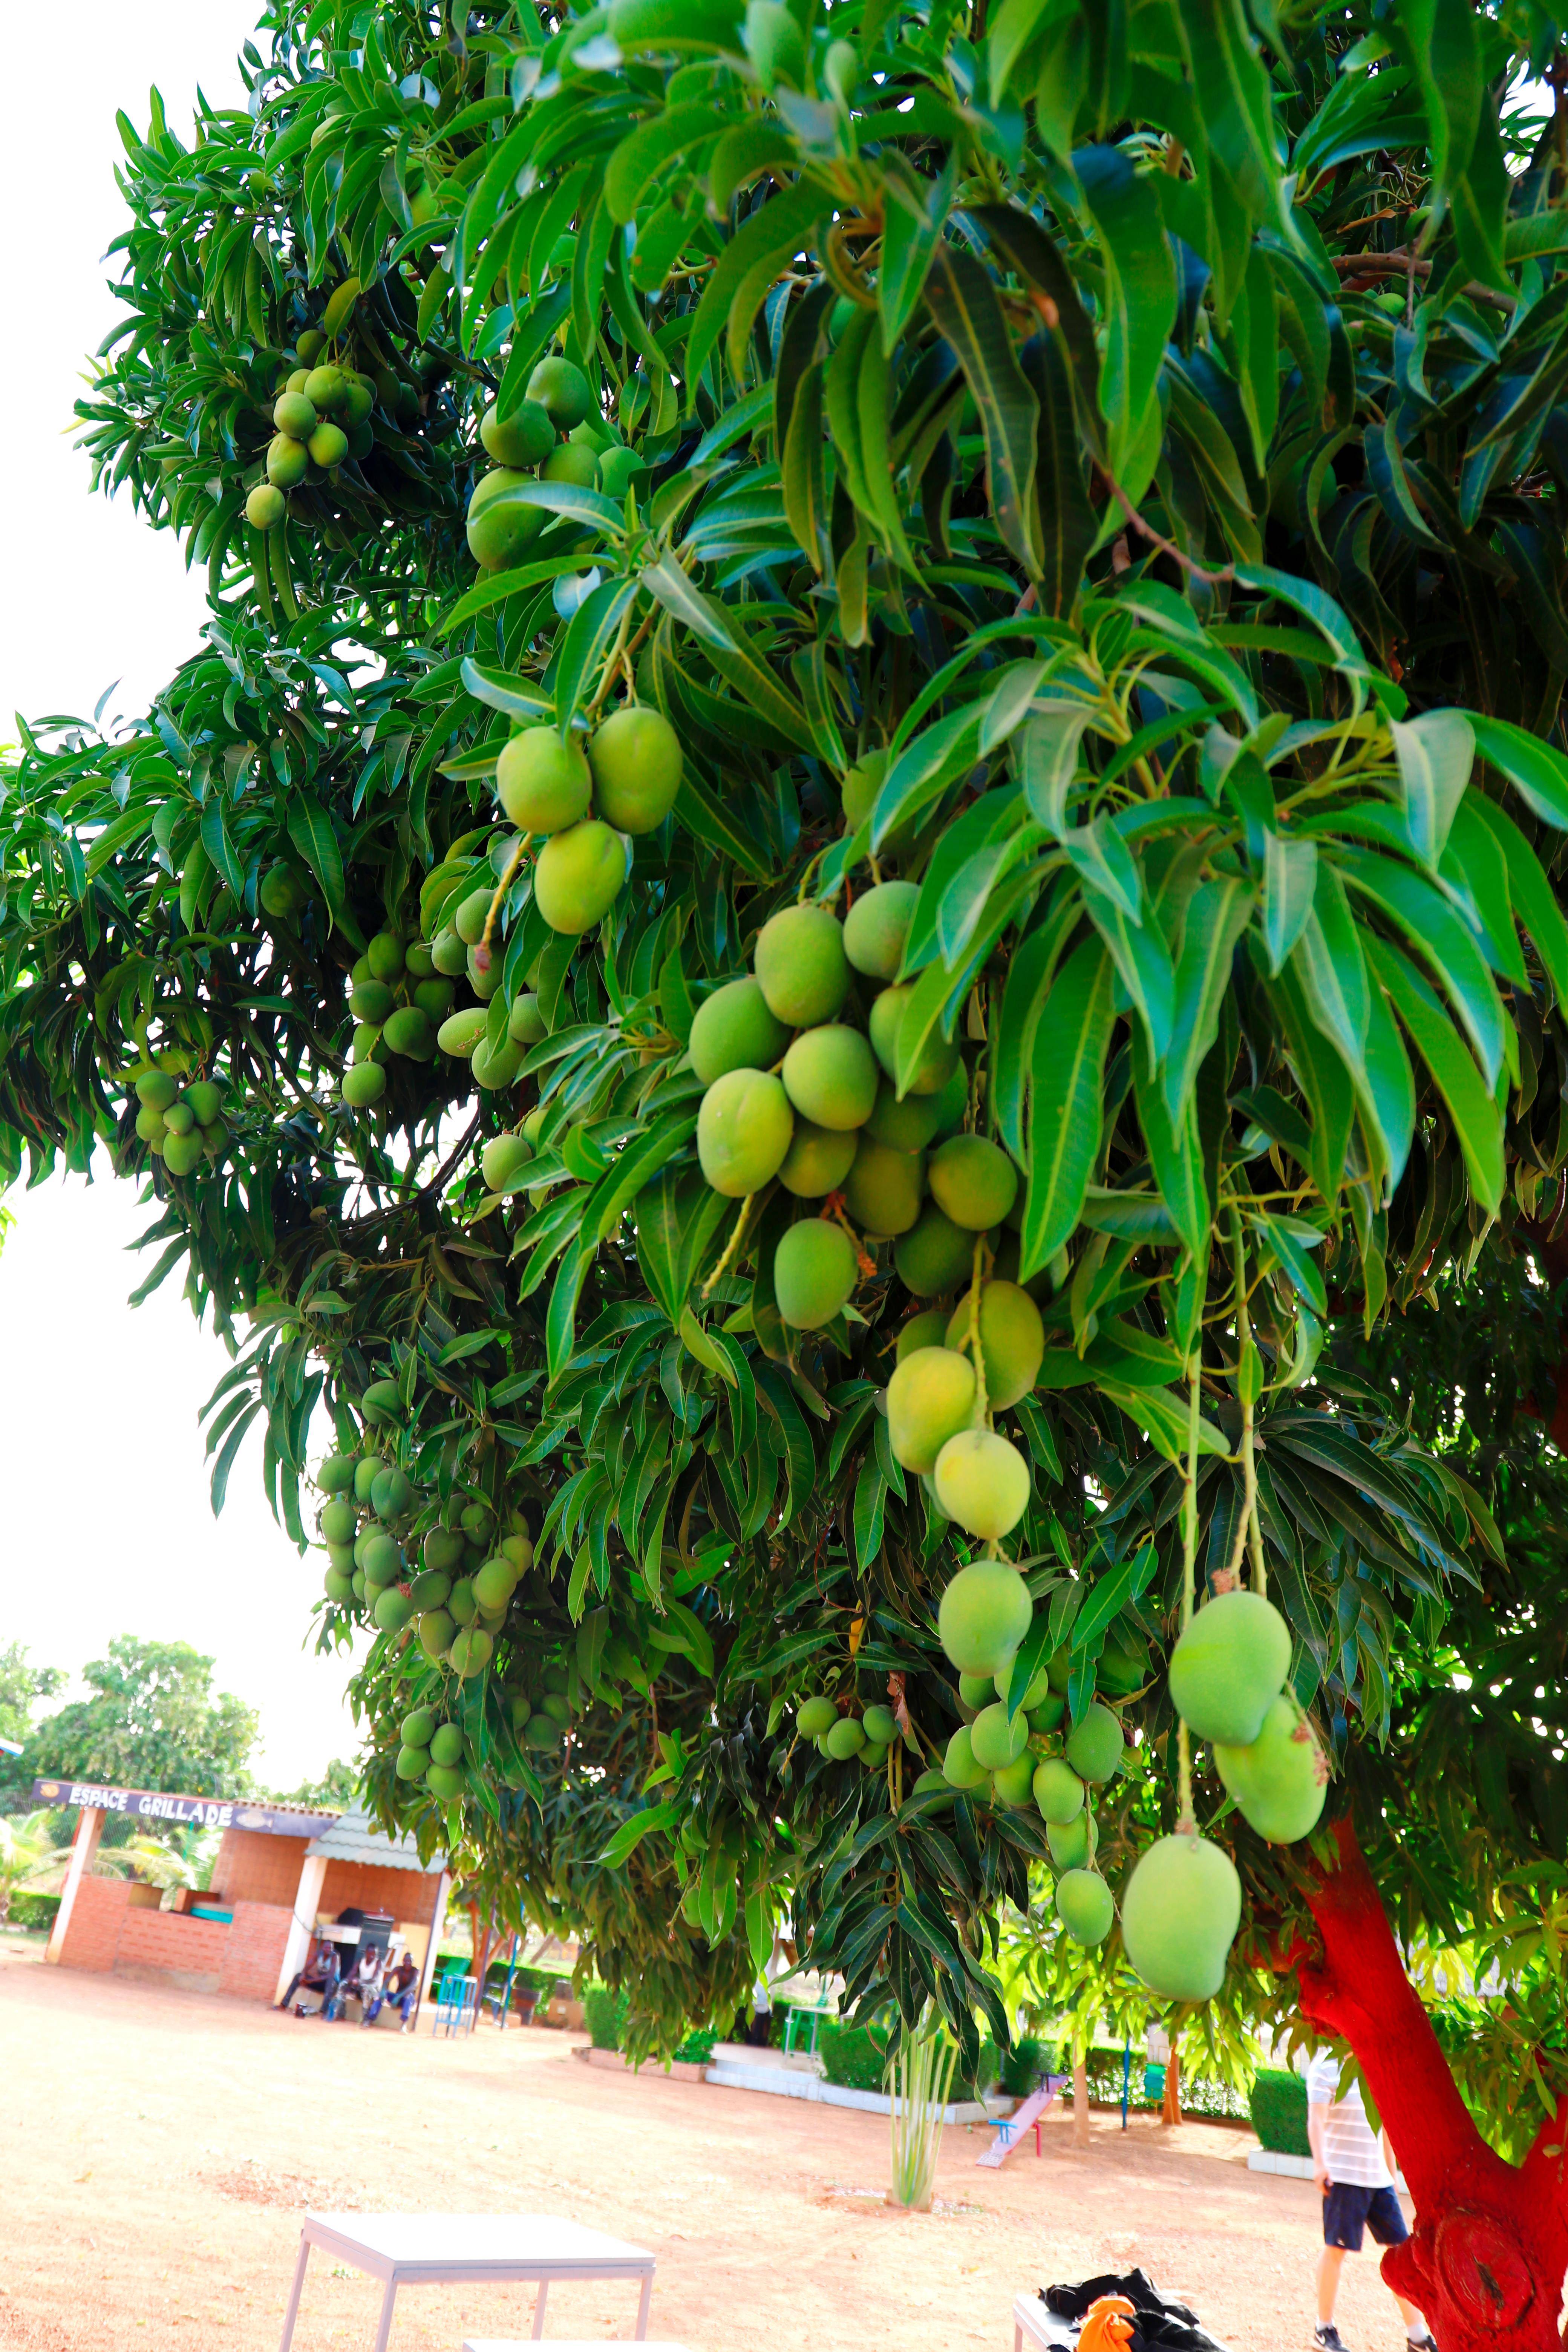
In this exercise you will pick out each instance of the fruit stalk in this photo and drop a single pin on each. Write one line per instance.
(732, 1245)
(1187, 1820)
(982, 1415)
(1249, 1529)
(502, 886)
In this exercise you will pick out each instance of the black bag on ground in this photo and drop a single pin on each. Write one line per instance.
(1161, 2321)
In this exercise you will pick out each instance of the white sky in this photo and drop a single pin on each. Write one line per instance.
(109, 1527)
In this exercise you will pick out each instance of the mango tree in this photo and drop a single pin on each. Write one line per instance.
(866, 833)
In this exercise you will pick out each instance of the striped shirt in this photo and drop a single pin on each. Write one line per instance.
(1353, 2153)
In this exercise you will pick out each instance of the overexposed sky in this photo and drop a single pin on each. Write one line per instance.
(109, 1527)
(91, 594)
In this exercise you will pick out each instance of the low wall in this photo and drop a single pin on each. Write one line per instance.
(108, 1932)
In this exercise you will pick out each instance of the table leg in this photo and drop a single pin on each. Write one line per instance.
(643, 2305)
(384, 2332)
(292, 2312)
(539, 2309)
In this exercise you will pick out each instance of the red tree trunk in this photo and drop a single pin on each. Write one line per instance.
(1486, 2261)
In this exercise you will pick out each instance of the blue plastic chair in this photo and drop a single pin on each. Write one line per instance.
(457, 2005)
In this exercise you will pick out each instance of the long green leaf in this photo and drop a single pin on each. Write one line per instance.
(1478, 1121)
(961, 299)
(1065, 1111)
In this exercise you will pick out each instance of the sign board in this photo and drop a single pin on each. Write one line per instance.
(197, 1813)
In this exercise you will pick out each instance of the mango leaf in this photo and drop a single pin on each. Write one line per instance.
(1478, 1122)
(1217, 914)
(1537, 770)
(1290, 878)
(961, 299)
(1435, 753)
(1045, 758)
(1139, 298)
(1065, 1113)
(635, 1828)
(914, 211)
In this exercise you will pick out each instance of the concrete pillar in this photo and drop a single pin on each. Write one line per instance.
(437, 1922)
(302, 1927)
(89, 1830)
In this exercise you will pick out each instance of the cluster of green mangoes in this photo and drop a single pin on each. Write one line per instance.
(323, 417)
(434, 1752)
(1182, 1906)
(526, 447)
(181, 1125)
(541, 1720)
(800, 1061)
(490, 1035)
(399, 1000)
(582, 800)
(867, 1736)
(453, 1585)
(1023, 1758)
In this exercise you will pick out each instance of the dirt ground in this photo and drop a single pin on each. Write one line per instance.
(160, 2148)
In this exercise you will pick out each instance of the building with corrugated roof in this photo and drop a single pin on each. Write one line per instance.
(283, 1873)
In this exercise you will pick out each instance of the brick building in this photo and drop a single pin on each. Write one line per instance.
(281, 1871)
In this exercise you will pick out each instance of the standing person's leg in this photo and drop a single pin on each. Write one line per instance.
(1331, 2262)
(1385, 2220)
(1344, 2219)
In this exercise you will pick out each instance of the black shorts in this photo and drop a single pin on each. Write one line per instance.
(1348, 2211)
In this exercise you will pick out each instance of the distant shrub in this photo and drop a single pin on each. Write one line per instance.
(34, 1910)
(854, 2057)
(1280, 2111)
(697, 2050)
(1024, 2067)
(604, 2015)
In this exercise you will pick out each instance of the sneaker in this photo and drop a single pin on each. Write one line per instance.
(1327, 2339)
(1422, 2343)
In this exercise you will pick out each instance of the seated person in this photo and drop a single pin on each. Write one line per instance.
(400, 1985)
(362, 1979)
(319, 1975)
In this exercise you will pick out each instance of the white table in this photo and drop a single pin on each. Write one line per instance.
(1035, 2324)
(466, 2249)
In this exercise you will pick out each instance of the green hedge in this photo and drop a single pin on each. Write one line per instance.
(1024, 2066)
(604, 2015)
(854, 2057)
(34, 1910)
(1279, 2112)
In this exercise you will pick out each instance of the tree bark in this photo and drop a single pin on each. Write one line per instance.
(1486, 2261)
(1079, 2096)
(1170, 2101)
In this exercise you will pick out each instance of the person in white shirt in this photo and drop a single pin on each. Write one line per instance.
(1356, 2179)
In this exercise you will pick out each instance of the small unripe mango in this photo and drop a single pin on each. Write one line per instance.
(579, 876)
(733, 1030)
(743, 1130)
(801, 965)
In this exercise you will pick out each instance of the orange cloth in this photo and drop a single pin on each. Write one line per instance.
(1107, 2324)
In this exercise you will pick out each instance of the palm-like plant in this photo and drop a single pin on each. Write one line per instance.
(30, 1864)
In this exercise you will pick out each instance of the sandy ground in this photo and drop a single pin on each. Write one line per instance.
(160, 2148)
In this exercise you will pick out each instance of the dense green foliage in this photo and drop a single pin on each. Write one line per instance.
(151, 1720)
(1136, 432)
(21, 1686)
